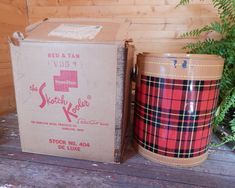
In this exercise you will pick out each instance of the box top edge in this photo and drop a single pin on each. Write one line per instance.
(110, 32)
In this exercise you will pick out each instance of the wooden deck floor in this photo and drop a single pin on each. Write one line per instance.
(19, 169)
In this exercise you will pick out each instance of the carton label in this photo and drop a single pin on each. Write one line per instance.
(76, 31)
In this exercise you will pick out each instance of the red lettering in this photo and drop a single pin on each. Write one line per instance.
(33, 88)
(67, 112)
(53, 55)
(62, 147)
(56, 141)
(73, 148)
(77, 56)
(62, 55)
(69, 109)
(43, 103)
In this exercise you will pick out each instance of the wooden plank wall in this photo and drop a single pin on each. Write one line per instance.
(12, 18)
(156, 24)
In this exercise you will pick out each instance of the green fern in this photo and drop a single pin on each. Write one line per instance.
(223, 29)
(225, 106)
(225, 140)
(226, 8)
(183, 2)
(232, 123)
(224, 47)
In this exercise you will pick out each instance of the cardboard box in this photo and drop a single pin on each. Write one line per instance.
(72, 88)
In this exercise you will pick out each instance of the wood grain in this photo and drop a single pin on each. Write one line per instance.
(12, 18)
(156, 25)
(151, 21)
(32, 170)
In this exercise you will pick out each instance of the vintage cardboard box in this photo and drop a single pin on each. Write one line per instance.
(72, 88)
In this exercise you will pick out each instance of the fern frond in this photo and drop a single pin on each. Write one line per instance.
(206, 47)
(213, 27)
(227, 81)
(196, 32)
(226, 9)
(225, 140)
(224, 107)
(183, 2)
(232, 123)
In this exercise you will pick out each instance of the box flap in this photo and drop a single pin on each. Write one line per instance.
(77, 30)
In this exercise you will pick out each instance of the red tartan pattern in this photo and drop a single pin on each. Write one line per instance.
(174, 117)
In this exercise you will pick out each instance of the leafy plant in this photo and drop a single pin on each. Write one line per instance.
(225, 47)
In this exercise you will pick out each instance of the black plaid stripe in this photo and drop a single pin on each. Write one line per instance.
(173, 117)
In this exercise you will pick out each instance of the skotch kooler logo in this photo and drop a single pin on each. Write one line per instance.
(63, 83)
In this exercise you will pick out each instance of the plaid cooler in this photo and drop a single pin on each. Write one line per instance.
(174, 115)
